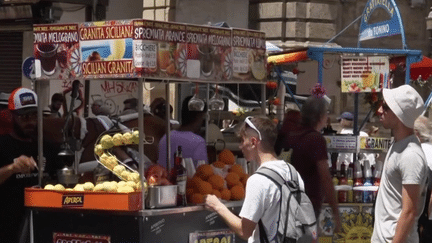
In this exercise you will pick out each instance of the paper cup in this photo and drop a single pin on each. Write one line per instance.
(190, 167)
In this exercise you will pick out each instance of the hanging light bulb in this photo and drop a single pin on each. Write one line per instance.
(216, 103)
(195, 103)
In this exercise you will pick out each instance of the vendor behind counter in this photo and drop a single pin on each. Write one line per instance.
(193, 145)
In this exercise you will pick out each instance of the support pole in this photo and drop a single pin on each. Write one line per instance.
(141, 136)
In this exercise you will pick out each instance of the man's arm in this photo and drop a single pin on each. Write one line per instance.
(326, 181)
(22, 164)
(241, 226)
(410, 197)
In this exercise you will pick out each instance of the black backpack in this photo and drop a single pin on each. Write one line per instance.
(297, 217)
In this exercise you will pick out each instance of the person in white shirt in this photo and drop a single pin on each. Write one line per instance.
(262, 198)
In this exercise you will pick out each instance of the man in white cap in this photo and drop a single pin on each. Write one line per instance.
(401, 195)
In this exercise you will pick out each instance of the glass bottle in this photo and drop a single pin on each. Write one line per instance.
(181, 177)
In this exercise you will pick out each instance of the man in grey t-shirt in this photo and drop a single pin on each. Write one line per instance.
(401, 195)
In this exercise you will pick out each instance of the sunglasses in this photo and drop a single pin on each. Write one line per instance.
(251, 125)
(385, 106)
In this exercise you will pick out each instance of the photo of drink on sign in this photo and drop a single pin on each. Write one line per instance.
(57, 48)
(364, 74)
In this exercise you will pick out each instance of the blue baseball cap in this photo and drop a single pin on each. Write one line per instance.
(347, 116)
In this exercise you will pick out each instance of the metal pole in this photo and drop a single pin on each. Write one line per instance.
(141, 136)
(40, 136)
(263, 99)
(207, 118)
(168, 128)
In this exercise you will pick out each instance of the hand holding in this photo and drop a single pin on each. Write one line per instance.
(23, 164)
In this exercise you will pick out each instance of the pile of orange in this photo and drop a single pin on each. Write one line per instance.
(205, 181)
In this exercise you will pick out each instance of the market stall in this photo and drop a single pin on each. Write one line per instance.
(147, 51)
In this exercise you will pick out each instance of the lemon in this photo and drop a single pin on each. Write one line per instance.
(49, 187)
(59, 187)
(118, 49)
(258, 70)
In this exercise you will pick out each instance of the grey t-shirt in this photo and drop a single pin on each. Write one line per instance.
(405, 164)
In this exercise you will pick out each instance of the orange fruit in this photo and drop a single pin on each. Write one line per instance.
(236, 168)
(204, 171)
(189, 192)
(232, 179)
(216, 181)
(195, 181)
(244, 179)
(197, 198)
(218, 164)
(237, 193)
(227, 157)
(217, 193)
(226, 194)
(204, 187)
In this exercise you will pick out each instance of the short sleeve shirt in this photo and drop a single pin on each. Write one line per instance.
(405, 164)
(262, 200)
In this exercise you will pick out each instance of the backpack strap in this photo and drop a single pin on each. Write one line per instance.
(263, 235)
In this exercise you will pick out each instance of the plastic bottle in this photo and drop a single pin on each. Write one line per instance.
(350, 182)
(377, 176)
(368, 195)
(181, 177)
(358, 181)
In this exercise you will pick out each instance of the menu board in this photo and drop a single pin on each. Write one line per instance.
(364, 74)
(57, 48)
(146, 48)
(208, 53)
(159, 49)
(249, 60)
(106, 49)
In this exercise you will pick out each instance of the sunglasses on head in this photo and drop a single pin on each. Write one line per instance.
(251, 125)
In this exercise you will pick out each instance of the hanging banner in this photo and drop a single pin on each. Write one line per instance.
(159, 49)
(145, 48)
(57, 48)
(393, 26)
(249, 60)
(106, 49)
(364, 74)
(209, 53)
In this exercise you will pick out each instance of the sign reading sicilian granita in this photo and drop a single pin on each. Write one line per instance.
(57, 48)
(106, 49)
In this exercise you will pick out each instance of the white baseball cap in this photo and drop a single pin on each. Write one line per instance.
(405, 102)
(23, 100)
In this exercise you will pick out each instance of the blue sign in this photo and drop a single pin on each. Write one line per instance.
(27, 67)
(386, 28)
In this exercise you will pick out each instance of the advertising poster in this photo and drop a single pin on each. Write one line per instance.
(209, 53)
(364, 74)
(57, 48)
(376, 144)
(106, 49)
(249, 60)
(71, 237)
(221, 236)
(159, 49)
